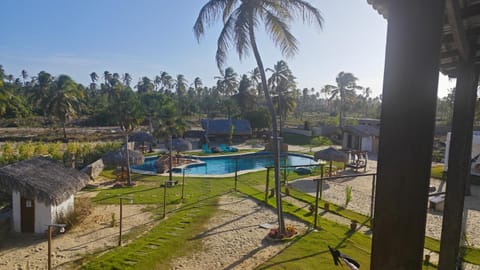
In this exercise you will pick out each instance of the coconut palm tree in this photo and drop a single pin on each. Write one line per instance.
(241, 19)
(64, 100)
(228, 82)
(280, 82)
(24, 75)
(345, 91)
(166, 81)
(126, 111)
(127, 79)
(245, 99)
(167, 125)
(180, 84)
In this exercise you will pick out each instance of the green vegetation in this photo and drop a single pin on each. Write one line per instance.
(80, 153)
(169, 238)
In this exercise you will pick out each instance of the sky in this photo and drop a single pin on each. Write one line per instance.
(146, 37)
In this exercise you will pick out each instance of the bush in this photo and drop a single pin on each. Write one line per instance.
(348, 195)
(320, 141)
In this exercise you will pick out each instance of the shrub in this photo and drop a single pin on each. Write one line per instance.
(348, 195)
(82, 210)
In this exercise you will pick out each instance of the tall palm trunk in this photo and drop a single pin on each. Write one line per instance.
(170, 146)
(276, 152)
(127, 155)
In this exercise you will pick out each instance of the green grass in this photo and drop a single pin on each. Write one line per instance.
(437, 172)
(158, 247)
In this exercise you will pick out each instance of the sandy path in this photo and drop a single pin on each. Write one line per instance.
(95, 233)
(233, 238)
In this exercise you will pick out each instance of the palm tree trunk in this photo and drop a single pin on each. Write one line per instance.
(276, 152)
(170, 158)
(64, 131)
(129, 177)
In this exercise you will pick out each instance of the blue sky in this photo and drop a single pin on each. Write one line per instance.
(145, 37)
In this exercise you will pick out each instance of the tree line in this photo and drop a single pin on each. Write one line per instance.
(61, 100)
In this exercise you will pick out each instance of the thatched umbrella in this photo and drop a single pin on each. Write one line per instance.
(331, 154)
(119, 158)
(141, 137)
(182, 145)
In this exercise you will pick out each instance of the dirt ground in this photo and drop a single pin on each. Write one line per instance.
(94, 234)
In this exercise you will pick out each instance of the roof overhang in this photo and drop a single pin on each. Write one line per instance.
(460, 32)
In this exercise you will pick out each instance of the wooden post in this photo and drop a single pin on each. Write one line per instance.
(406, 132)
(120, 223)
(164, 199)
(183, 183)
(372, 196)
(266, 185)
(458, 164)
(236, 173)
(319, 182)
(49, 247)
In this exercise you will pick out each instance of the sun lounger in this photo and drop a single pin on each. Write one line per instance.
(205, 149)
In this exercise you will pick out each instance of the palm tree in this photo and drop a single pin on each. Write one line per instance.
(197, 85)
(167, 125)
(180, 84)
(228, 82)
(245, 99)
(166, 81)
(127, 79)
(24, 75)
(94, 77)
(126, 111)
(280, 82)
(145, 85)
(241, 19)
(345, 90)
(65, 100)
(39, 94)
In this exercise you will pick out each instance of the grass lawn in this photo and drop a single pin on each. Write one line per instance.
(174, 236)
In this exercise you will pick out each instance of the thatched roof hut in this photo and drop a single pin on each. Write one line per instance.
(42, 178)
(119, 158)
(182, 145)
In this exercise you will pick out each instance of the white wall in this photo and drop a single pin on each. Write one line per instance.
(367, 144)
(65, 208)
(43, 216)
(16, 208)
(474, 153)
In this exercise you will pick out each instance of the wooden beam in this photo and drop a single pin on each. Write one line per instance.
(406, 133)
(458, 164)
(458, 31)
(471, 11)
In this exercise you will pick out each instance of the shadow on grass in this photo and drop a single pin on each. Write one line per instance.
(293, 259)
(124, 194)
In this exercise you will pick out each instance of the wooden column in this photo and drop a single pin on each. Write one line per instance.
(458, 164)
(406, 133)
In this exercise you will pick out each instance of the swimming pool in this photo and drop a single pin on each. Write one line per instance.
(226, 164)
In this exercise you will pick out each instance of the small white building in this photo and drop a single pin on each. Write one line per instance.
(42, 190)
(361, 138)
(475, 154)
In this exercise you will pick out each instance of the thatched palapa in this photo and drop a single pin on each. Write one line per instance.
(42, 178)
(119, 158)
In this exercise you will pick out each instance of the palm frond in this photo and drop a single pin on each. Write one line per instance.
(208, 14)
(225, 40)
(280, 33)
(306, 11)
(241, 34)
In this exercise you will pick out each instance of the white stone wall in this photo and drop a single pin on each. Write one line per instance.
(16, 208)
(43, 216)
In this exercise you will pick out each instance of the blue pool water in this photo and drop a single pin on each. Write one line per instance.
(226, 164)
